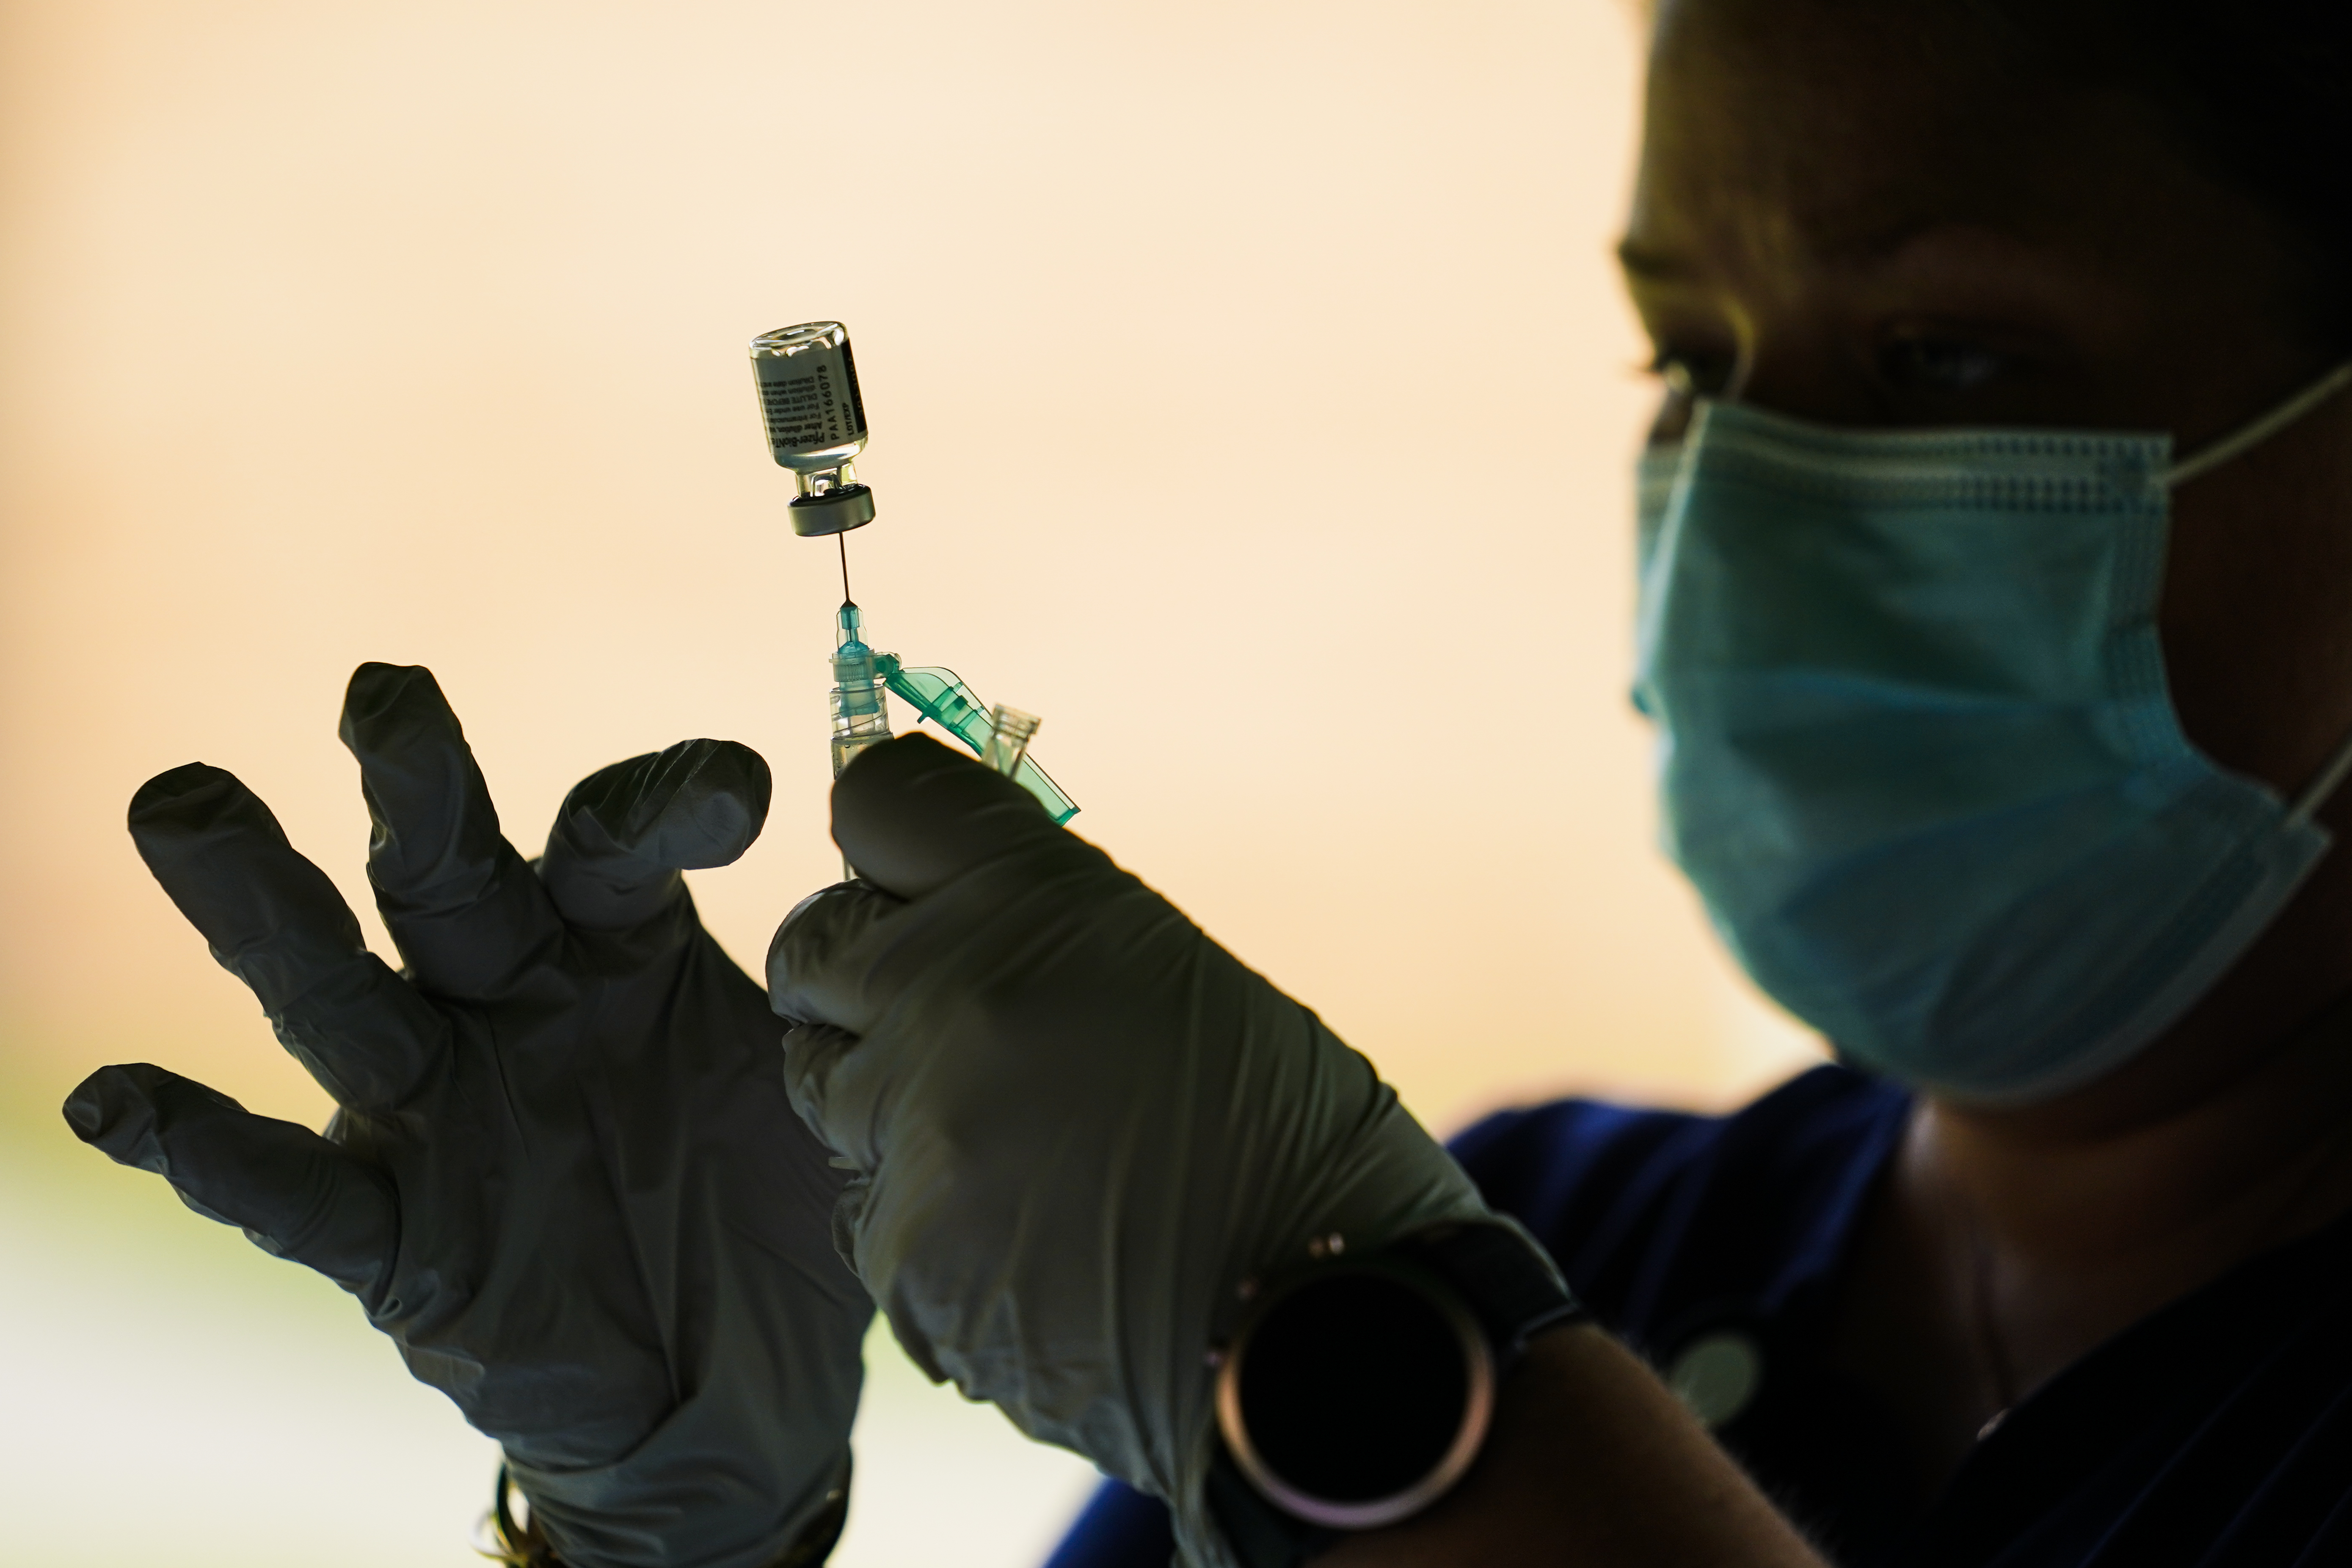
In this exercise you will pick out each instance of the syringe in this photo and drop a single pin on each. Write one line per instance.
(816, 420)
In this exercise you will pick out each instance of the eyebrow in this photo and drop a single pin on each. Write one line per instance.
(1865, 237)
(1650, 266)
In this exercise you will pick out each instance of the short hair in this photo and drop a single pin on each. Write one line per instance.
(2258, 92)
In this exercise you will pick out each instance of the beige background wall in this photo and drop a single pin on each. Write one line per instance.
(1251, 397)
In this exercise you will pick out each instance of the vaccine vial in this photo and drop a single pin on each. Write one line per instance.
(815, 422)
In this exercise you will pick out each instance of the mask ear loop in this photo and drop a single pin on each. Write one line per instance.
(2315, 794)
(2247, 436)
(2332, 774)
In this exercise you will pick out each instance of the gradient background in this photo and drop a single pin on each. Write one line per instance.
(1252, 397)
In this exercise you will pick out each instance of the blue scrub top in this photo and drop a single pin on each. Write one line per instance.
(2216, 1433)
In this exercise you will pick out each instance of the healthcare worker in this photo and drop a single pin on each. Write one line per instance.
(1996, 551)
(1993, 550)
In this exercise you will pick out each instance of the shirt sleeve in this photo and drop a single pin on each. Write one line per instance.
(1119, 1527)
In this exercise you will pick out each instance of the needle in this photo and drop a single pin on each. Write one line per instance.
(843, 540)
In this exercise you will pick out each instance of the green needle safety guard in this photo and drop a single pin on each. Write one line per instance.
(941, 696)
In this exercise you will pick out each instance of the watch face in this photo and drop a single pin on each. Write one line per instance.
(1356, 1393)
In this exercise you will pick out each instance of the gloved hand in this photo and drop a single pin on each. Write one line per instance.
(1078, 1124)
(564, 1178)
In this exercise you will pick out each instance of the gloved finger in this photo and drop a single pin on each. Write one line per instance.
(295, 1194)
(811, 1053)
(277, 923)
(912, 815)
(626, 832)
(460, 903)
(817, 972)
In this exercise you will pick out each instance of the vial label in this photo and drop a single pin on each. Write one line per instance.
(810, 402)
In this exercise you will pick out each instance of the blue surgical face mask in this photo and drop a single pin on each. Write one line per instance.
(1915, 750)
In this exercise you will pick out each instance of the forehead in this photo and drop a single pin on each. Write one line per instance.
(1825, 127)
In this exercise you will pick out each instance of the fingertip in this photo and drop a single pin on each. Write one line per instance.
(87, 1109)
(180, 818)
(806, 977)
(119, 1111)
(171, 793)
(702, 804)
(443, 874)
(779, 966)
(288, 1189)
(743, 771)
(722, 806)
(382, 696)
(698, 805)
(911, 813)
(811, 1051)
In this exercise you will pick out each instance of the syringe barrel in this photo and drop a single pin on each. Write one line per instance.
(861, 709)
(808, 396)
(861, 717)
(846, 747)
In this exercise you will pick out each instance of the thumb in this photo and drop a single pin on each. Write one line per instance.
(912, 816)
(293, 1192)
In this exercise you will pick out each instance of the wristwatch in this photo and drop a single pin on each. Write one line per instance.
(1357, 1390)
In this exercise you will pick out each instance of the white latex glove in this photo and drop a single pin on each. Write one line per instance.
(1078, 1125)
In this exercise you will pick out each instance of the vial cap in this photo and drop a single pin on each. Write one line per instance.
(836, 511)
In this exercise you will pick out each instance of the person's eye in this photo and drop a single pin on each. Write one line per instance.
(1938, 365)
